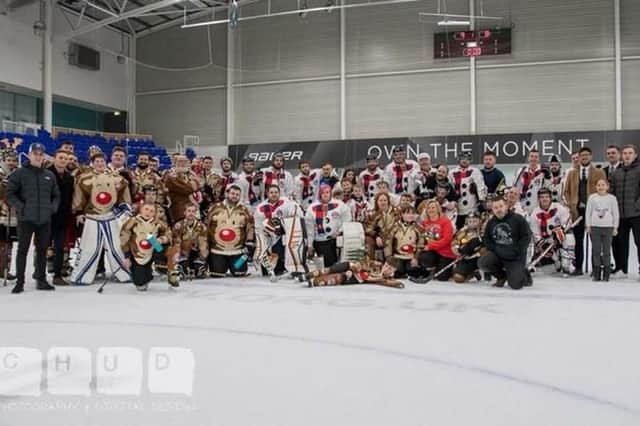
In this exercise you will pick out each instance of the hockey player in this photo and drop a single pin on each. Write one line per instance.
(139, 237)
(231, 228)
(150, 196)
(370, 177)
(466, 246)
(277, 175)
(420, 177)
(358, 204)
(183, 187)
(547, 222)
(469, 187)
(398, 171)
(367, 272)
(555, 183)
(323, 221)
(249, 182)
(188, 253)
(227, 174)
(379, 227)
(305, 184)
(267, 236)
(96, 195)
(529, 180)
(493, 177)
(407, 243)
(143, 176)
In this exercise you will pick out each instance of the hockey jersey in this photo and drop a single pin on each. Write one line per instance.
(529, 182)
(358, 209)
(398, 176)
(134, 237)
(369, 181)
(190, 236)
(279, 177)
(469, 186)
(281, 209)
(98, 193)
(419, 184)
(542, 222)
(324, 221)
(304, 192)
(407, 241)
(555, 186)
(230, 227)
(250, 192)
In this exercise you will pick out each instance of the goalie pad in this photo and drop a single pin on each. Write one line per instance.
(353, 242)
(295, 244)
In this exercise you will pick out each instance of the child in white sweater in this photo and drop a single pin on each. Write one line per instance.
(602, 218)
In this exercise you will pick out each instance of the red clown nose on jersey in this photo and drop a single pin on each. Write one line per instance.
(145, 244)
(408, 248)
(227, 235)
(103, 198)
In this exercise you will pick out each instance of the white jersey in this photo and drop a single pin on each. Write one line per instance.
(470, 188)
(279, 177)
(250, 190)
(555, 185)
(358, 209)
(542, 222)
(369, 181)
(529, 182)
(304, 188)
(398, 176)
(281, 209)
(324, 221)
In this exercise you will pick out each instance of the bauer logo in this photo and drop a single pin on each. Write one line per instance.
(118, 371)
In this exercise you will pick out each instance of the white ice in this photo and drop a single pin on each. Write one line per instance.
(564, 352)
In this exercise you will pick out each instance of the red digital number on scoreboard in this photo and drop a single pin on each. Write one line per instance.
(472, 51)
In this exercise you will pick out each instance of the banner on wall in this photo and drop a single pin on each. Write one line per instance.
(509, 148)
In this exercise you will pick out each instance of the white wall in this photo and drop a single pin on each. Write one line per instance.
(21, 59)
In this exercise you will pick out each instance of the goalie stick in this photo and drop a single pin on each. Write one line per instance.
(541, 256)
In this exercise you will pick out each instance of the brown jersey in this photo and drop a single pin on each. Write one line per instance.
(142, 177)
(180, 189)
(8, 215)
(407, 241)
(190, 236)
(230, 227)
(161, 214)
(97, 193)
(134, 237)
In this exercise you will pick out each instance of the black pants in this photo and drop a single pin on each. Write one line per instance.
(219, 264)
(460, 220)
(58, 231)
(328, 249)
(578, 232)
(405, 268)
(627, 225)
(515, 271)
(42, 235)
(617, 250)
(141, 274)
(433, 262)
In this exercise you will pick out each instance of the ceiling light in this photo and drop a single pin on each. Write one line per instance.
(447, 22)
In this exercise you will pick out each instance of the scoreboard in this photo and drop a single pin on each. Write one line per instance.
(457, 44)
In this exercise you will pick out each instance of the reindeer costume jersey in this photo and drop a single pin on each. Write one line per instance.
(134, 238)
(147, 177)
(8, 215)
(546, 227)
(96, 195)
(529, 182)
(189, 247)
(230, 228)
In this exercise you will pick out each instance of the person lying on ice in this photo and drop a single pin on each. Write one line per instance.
(365, 272)
(506, 238)
(140, 236)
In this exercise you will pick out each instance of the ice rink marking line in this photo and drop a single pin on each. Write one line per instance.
(364, 348)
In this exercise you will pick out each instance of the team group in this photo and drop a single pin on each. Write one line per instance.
(410, 219)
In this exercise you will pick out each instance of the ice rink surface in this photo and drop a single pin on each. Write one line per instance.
(564, 352)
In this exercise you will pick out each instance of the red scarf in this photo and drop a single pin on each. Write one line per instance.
(268, 208)
(527, 177)
(458, 176)
(543, 217)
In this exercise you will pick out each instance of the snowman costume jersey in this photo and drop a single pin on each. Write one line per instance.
(469, 186)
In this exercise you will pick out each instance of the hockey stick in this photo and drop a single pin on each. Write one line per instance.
(537, 260)
(7, 255)
(430, 277)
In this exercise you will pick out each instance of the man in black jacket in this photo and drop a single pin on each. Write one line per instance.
(60, 218)
(506, 237)
(33, 192)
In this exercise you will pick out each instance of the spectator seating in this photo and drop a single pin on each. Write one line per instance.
(83, 142)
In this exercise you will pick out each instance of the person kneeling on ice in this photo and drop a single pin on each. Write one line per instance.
(466, 245)
(231, 229)
(547, 222)
(437, 253)
(188, 254)
(140, 236)
(365, 272)
(506, 237)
